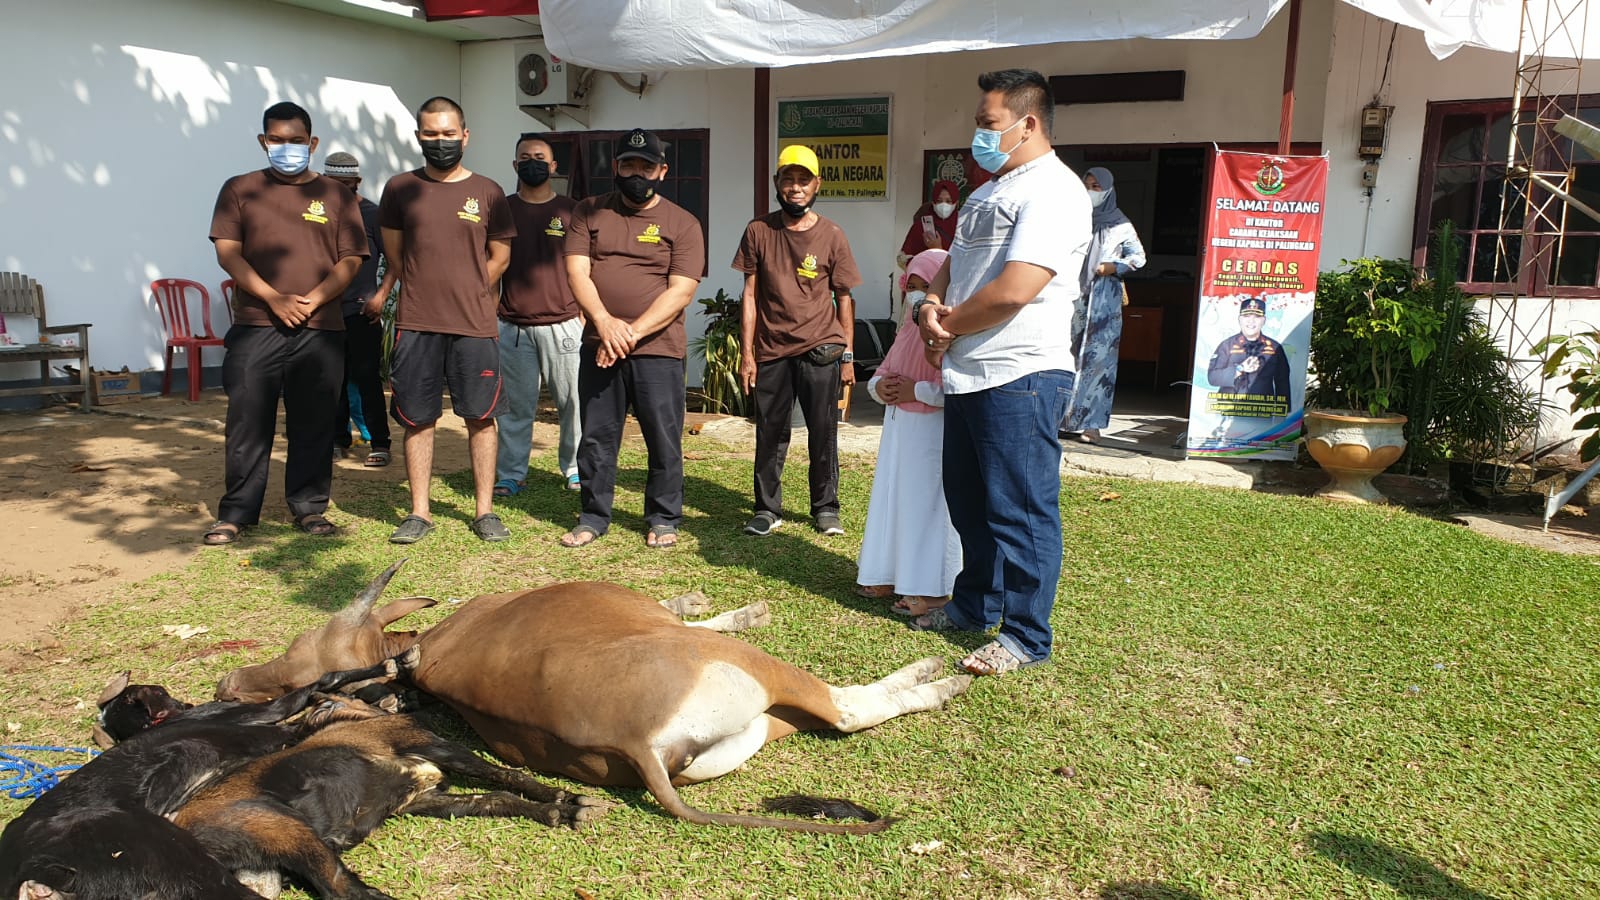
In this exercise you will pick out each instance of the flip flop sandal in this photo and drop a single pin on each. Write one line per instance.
(917, 606)
(581, 536)
(315, 524)
(661, 537)
(875, 591)
(935, 620)
(994, 659)
(377, 459)
(507, 488)
(221, 533)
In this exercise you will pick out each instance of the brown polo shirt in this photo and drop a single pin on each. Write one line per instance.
(632, 252)
(444, 268)
(292, 235)
(797, 274)
(535, 290)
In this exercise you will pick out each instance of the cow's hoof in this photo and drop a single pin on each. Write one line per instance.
(265, 882)
(954, 686)
(409, 660)
(755, 615)
(686, 605)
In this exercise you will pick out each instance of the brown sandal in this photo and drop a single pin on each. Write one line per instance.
(315, 524)
(221, 533)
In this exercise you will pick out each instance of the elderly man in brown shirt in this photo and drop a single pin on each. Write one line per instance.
(797, 332)
(634, 259)
(291, 240)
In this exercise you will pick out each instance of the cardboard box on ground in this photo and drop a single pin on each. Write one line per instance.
(113, 387)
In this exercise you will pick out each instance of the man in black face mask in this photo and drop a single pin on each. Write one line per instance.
(447, 235)
(634, 259)
(796, 335)
(540, 328)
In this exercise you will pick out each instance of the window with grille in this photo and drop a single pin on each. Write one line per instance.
(1463, 181)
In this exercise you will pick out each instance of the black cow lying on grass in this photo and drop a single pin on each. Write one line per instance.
(102, 833)
(255, 808)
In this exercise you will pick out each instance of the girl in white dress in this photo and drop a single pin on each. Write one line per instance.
(907, 520)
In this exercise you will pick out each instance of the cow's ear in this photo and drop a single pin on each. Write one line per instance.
(114, 687)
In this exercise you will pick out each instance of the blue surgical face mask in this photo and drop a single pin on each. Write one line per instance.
(986, 150)
(289, 159)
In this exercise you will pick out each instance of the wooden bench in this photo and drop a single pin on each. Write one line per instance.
(22, 296)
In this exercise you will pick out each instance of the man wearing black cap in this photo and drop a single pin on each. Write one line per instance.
(634, 259)
(1250, 362)
(363, 339)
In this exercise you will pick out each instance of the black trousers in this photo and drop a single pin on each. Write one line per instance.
(304, 366)
(653, 387)
(778, 384)
(363, 353)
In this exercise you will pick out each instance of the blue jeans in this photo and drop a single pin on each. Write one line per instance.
(1002, 480)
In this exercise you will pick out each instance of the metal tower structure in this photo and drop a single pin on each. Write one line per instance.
(1536, 195)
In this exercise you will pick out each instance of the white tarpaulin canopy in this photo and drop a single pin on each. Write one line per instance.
(651, 35)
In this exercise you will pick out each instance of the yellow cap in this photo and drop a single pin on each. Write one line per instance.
(799, 155)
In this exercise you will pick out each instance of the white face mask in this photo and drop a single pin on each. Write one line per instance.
(943, 210)
(1098, 197)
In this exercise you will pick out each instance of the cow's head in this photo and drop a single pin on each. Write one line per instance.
(127, 709)
(353, 638)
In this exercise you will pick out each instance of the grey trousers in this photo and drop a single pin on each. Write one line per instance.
(531, 355)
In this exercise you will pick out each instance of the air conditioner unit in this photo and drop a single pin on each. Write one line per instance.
(543, 79)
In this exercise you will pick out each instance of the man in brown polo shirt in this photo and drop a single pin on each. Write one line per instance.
(447, 234)
(634, 259)
(797, 330)
(540, 329)
(291, 240)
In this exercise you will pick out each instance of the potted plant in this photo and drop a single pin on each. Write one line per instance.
(1374, 326)
(718, 348)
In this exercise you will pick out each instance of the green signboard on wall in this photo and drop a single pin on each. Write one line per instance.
(851, 138)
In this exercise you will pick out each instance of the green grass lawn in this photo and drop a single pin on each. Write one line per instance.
(1251, 696)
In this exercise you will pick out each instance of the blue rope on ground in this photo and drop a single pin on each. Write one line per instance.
(23, 779)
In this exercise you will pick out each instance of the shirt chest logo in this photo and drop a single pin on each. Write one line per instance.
(556, 228)
(316, 212)
(808, 266)
(469, 211)
(651, 235)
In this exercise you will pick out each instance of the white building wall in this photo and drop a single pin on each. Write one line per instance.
(120, 121)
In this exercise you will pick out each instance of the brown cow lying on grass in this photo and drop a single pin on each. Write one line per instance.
(601, 684)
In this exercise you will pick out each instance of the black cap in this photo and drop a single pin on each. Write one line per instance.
(641, 144)
(1250, 305)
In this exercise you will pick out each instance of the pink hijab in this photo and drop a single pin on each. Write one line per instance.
(906, 358)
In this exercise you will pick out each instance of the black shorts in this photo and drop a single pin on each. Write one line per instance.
(424, 362)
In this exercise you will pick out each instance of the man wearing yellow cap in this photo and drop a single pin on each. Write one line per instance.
(796, 336)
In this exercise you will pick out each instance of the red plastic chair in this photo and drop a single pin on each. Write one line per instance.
(172, 298)
(227, 298)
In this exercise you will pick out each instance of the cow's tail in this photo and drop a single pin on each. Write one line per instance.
(659, 783)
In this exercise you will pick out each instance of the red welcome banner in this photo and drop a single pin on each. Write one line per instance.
(1257, 289)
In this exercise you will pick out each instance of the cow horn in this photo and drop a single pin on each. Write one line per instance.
(114, 687)
(354, 615)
